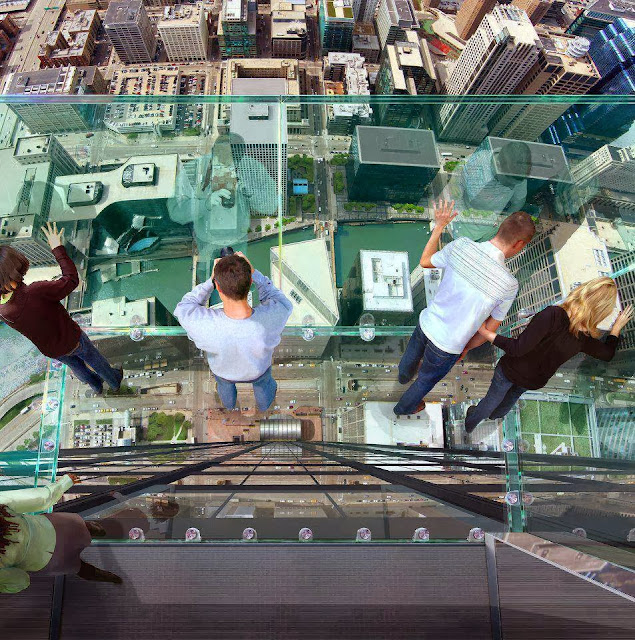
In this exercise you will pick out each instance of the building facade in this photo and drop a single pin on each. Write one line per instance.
(184, 32)
(535, 9)
(288, 30)
(624, 274)
(130, 31)
(336, 24)
(394, 18)
(470, 16)
(237, 29)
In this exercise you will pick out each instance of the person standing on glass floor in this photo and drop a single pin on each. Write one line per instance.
(36, 311)
(239, 340)
(476, 288)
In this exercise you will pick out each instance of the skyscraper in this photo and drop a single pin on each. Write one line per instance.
(535, 9)
(563, 67)
(624, 274)
(470, 16)
(364, 10)
(613, 52)
(336, 25)
(130, 31)
(263, 146)
(609, 167)
(237, 29)
(394, 17)
(183, 31)
(406, 69)
(494, 61)
(391, 164)
(598, 16)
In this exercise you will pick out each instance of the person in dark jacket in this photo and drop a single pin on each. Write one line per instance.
(35, 310)
(554, 335)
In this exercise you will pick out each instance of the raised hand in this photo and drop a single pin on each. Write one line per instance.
(444, 213)
(54, 237)
(622, 319)
(242, 255)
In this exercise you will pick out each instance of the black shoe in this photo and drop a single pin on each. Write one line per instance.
(467, 415)
(403, 379)
(120, 370)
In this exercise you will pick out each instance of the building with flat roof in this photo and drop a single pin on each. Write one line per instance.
(288, 29)
(153, 80)
(536, 10)
(121, 312)
(336, 25)
(237, 29)
(407, 69)
(376, 423)
(379, 284)
(394, 18)
(366, 42)
(391, 164)
(50, 117)
(609, 167)
(563, 67)
(349, 69)
(260, 128)
(73, 43)
(599, 15)
(306, 277)
(130, 31)
(184, 32)
(9, 30)
(624, 274)
(46, 148)
(494, 61)
(140, 186)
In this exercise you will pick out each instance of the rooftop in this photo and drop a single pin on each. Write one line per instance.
(257, 128)
(616, 8)
(32, 145)
(397, 146)
(234, 10)
(382, 426)
(402, 13)
(119, 312)
(386, 281)
(166, 167)
(182, 15)
(123, 11)
(339, 10)
(42, 82)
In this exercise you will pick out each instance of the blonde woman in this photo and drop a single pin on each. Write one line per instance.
(554, 335)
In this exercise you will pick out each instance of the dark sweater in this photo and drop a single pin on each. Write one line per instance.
(538, 352)
(36, 312)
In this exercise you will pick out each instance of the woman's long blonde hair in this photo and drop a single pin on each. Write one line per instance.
(589, 304)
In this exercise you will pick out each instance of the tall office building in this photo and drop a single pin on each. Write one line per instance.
(391, 164)
(535, 9)
(613, 53)
(184, 33)
(394, 18)
(563, 68)
(364, 10)
(55, 117)
(615, 431)
(37, 149)
(600, 15)
(288, 30)
(130, 31)
(624, 274)
(237, 29)
(261, 143)
(407, 69)
(495, 60)
(336, 25)
(556, 261)
(378, 284)
(470, 16)
(305, 275)
(609, 167)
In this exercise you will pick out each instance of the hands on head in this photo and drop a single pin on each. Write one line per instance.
(237, 253)
(54, 237)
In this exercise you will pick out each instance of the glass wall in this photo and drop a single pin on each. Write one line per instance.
(332, 199)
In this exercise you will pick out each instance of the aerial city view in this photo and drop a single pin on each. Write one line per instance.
(312, 189)
(399, 224)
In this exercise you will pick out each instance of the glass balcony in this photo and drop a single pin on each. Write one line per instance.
(331, 198)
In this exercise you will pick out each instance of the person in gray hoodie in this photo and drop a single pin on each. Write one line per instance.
(239, 340)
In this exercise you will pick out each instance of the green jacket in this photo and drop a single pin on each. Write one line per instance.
(34, 542)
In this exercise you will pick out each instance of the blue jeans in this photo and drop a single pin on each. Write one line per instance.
(265, 388)
(497, 403)
(86, 355)
(436, 365)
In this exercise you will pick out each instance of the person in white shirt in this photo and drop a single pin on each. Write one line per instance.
(476, 288)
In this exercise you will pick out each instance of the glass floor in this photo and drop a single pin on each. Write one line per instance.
(318, 208)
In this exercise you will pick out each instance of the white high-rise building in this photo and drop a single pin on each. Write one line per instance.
(494, 61)
(608, 168)
(183, 30)
(364, 10)
(394, 17)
